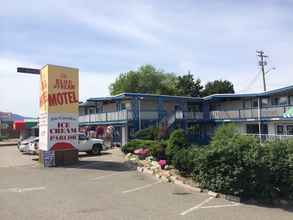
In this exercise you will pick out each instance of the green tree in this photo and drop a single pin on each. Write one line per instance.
(186, 86)
(147, 79)
(218, 87)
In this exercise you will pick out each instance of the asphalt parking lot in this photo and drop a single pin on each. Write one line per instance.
(103, 187)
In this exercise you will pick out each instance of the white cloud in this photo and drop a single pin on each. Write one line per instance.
(214, 40)
(94, 84)
(19, 93)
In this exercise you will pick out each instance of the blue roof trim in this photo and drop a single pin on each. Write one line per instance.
(195, 99)
(260, 94)
(144, 95)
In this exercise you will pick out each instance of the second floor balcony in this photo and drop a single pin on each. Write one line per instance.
(253, 113)
(128, 115)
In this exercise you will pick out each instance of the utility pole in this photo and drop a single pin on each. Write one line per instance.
(262, 63)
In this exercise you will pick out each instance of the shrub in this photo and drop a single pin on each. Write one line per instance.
(226, 168)
(277, 170)
(151, 133)
(238, 165)
(186, 159)
(158, 150)
(136, 144)
(176, 142)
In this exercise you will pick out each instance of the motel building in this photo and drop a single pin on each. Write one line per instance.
(268, 115)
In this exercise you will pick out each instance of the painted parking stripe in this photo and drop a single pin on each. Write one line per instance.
(21, 190)
(221, 206)
(141, 187)
(197, 206)
(105, 176)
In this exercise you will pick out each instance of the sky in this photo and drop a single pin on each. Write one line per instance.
(212, 39)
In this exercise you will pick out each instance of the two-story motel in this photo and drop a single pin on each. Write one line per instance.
(269, 114)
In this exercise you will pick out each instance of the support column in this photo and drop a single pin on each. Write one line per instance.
(135, 112)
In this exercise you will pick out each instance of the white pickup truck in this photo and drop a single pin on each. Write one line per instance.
(90, 145)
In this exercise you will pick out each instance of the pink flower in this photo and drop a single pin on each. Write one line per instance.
(142, 152)
(162, 163)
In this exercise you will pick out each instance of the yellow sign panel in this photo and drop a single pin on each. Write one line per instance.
(59, 89)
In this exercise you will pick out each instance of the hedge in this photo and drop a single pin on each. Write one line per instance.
(151, 133)
(239, 165)
(176, 142)
(132, 145)
(186, 159)
(232, 163)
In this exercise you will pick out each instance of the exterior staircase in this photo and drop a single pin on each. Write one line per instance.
(167, 123)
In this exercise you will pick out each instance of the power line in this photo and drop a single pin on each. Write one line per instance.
(250, 84)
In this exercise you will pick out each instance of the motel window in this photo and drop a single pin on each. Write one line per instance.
(283, 100)
(252, 129)
(291, 100)
(280, 129)
(255, 103)
(289, 129)
(123, 106)
(264, 102)
(280, 100)
(92, 111)
(275, 101)
(99, 109)
(193, 108)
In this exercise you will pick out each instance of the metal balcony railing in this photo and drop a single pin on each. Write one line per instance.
(193, 115)
(127, 115)
(123, 115)
(267, 112)
(268, 137)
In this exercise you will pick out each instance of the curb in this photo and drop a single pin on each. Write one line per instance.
(8, 144)
(168, 179)
(175, 180)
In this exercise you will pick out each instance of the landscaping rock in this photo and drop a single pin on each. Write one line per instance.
(214, 194)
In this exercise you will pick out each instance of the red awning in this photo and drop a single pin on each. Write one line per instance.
(19, 125)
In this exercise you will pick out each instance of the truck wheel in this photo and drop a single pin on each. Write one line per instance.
(96, 150)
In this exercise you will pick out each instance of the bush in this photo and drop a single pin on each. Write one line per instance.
(186, 159)
(176, 142)
(276, 170)
(238, 165)
(226, 168)
(151, 133)
(136, 144)
(158, 150)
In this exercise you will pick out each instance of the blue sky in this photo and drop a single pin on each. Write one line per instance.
(212, 39)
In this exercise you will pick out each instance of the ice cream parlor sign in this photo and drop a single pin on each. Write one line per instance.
(58, 119)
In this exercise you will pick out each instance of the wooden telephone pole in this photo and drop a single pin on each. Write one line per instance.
(262, 63)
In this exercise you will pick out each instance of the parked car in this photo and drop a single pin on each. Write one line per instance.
(85, 144)
(29, 145)
(90, 145)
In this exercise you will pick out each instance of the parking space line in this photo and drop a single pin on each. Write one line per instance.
(141, 187)
(197, 206)
(20, 190)
(221, 206)
(105, 176)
